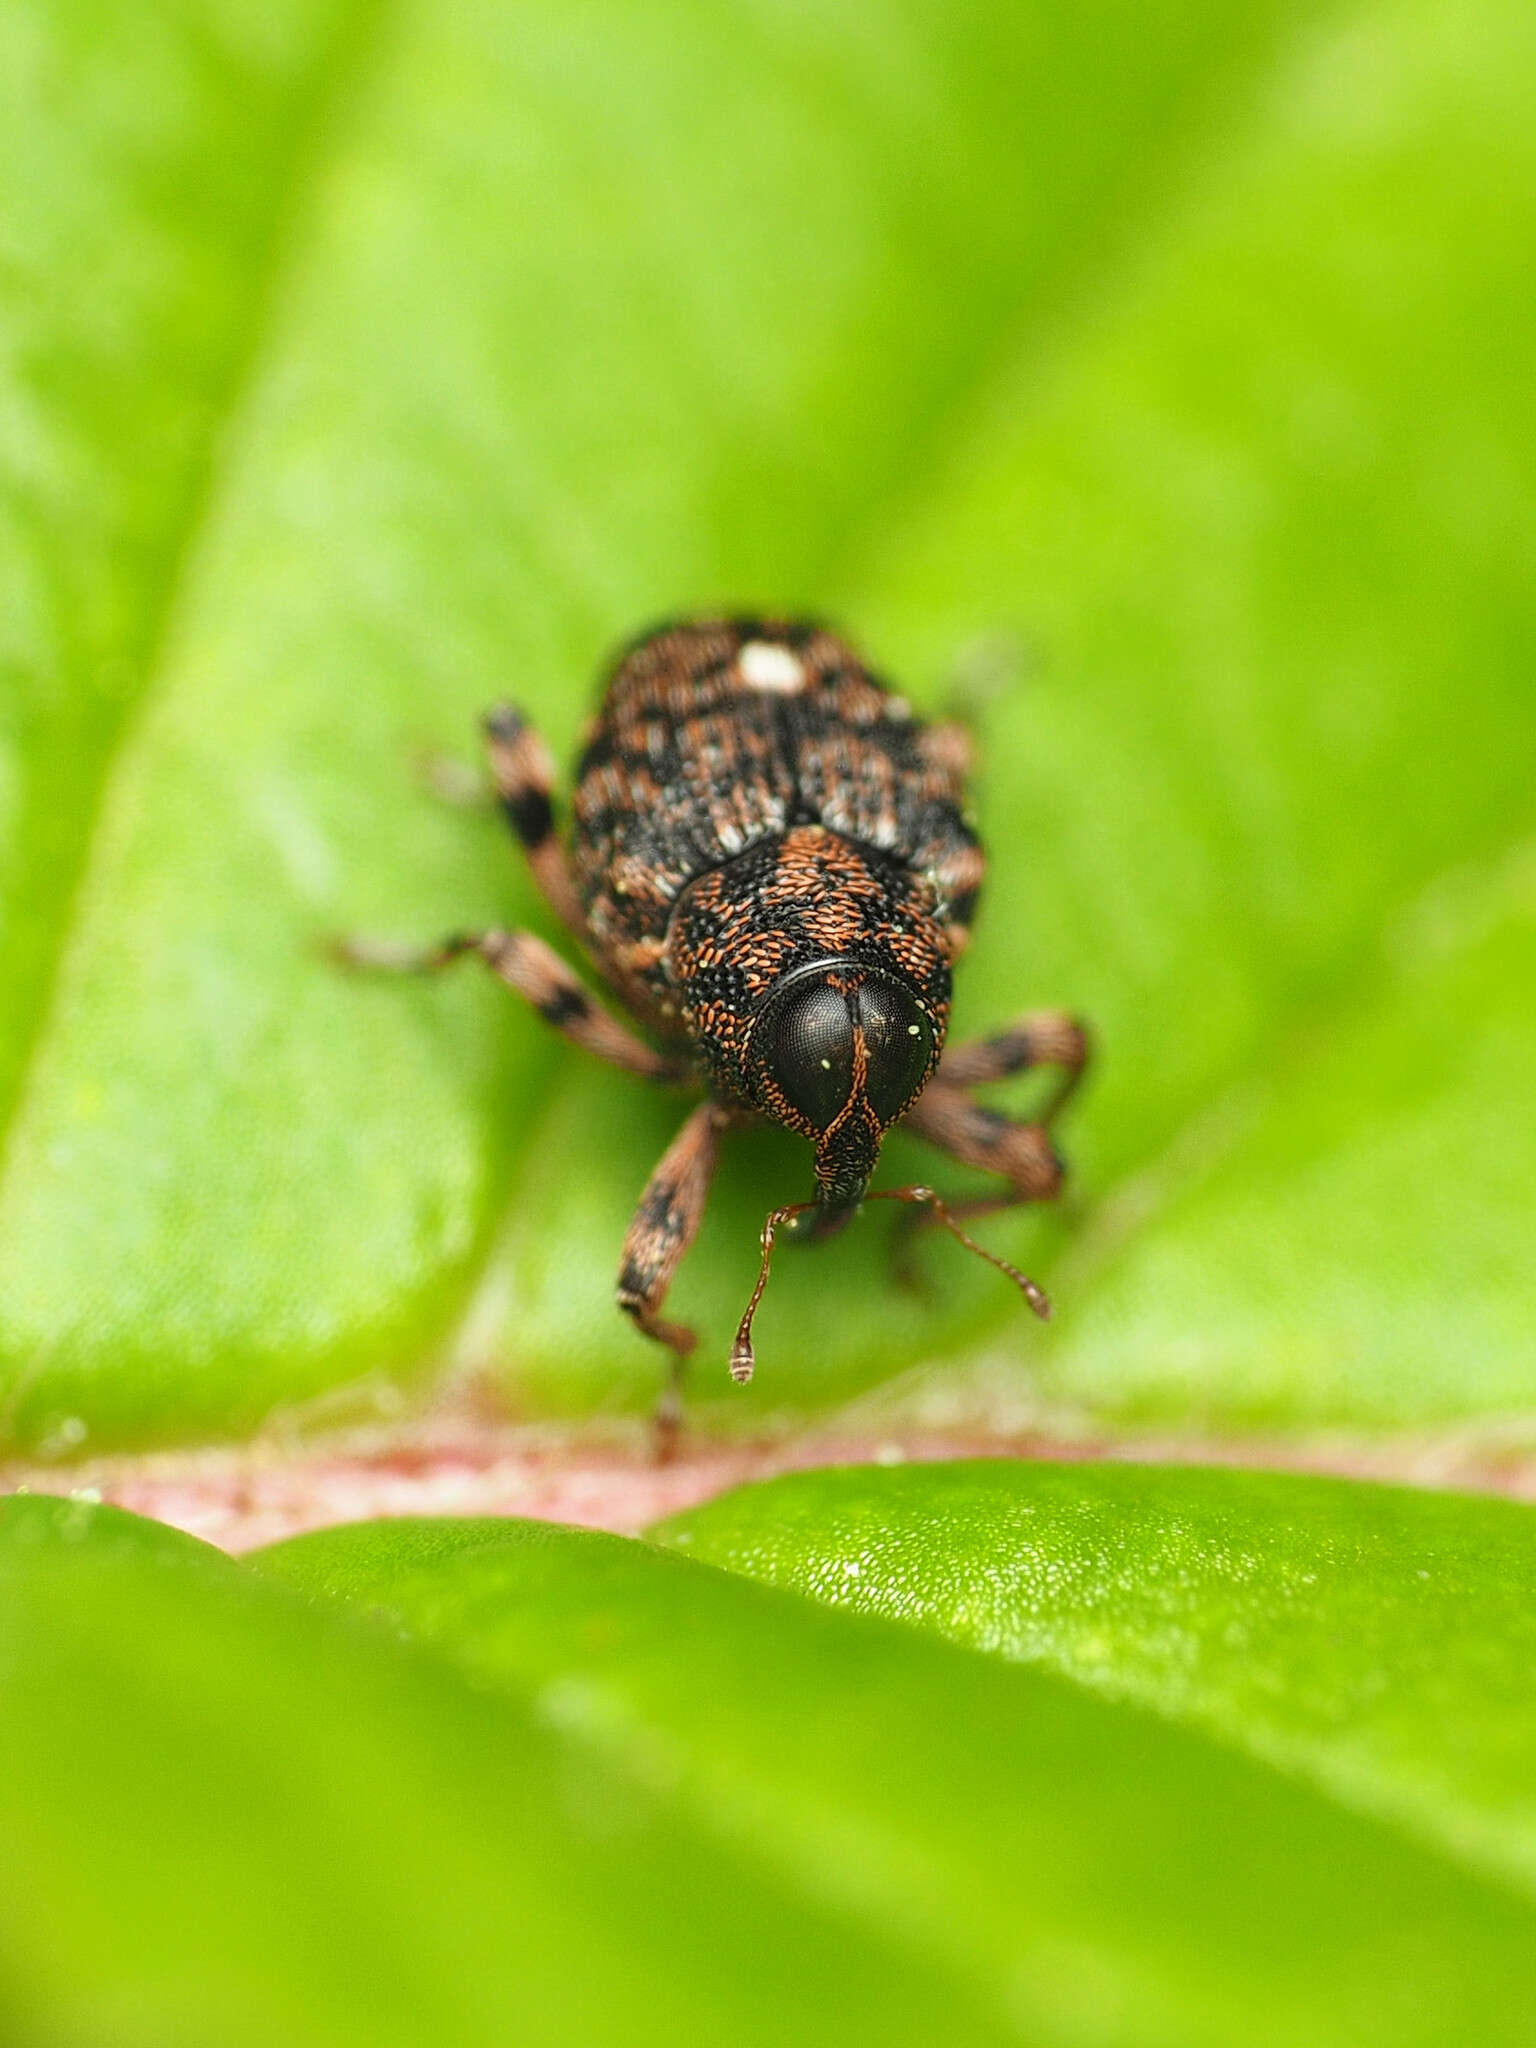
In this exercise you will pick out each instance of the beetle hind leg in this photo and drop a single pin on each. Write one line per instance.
(664, 1226)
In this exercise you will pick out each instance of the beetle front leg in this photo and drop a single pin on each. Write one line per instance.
(977, 1136)
(1045, 1038)
(664, 1226)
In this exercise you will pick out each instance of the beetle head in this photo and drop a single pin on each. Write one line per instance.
(838, 1053)
(815, 978)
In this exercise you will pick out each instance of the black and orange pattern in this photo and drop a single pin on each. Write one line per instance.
(771, 868)
(693, 764)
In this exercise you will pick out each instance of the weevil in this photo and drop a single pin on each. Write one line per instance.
(770, 866)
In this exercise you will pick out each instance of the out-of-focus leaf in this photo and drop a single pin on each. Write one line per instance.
(1191, 344)
(1356, 1246)
(574, 315)
(1262, 512)
(149, 160)
(228, 1819)
(1086, 1870)
(1378, 1642)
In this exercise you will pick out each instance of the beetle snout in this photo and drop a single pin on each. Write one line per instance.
(822, 1221)
(846, 1158)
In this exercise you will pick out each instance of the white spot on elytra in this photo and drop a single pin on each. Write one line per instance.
(767, 667)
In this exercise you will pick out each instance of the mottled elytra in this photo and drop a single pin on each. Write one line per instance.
(769, 867)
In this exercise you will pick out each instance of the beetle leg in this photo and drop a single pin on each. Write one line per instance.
(977, 1136)
(1045, 1038)
(524, 774)
(536, 971)
(983, 1137)
(904, 1267)
(664, 1226)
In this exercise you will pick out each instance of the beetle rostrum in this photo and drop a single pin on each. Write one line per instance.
(770, 868)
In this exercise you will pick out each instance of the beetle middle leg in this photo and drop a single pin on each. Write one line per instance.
(664, 1226)
(536, 971)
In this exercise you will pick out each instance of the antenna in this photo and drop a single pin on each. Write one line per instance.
(744, 1358)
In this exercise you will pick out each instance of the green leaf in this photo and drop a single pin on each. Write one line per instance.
(358, 368)
(149, 164)
(1273, 522)
(1355, 1247)
(1262, 507)
(1376, 1642)
(229, 1819)
(1083, 1868)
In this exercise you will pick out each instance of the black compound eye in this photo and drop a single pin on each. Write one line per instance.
(809, 1052)
(899, 1041)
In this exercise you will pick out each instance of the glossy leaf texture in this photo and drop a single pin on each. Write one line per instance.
(1371, 1640)
(361, 367)
(227, 1818)
(1085, 1871)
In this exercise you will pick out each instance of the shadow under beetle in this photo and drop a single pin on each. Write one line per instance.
(770, 868)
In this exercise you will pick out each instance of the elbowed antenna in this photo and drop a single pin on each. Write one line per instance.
(744, 1358)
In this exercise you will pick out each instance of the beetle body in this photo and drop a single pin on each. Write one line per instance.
(770, 866)
(754, 813)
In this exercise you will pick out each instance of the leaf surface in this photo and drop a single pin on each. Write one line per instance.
(229, 1818)
(1259, 507)
(1083, 1868)
(1193, 348)
(1371, 1640)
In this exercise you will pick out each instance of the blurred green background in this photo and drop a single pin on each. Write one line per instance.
(363, 366)
(1159, 377)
